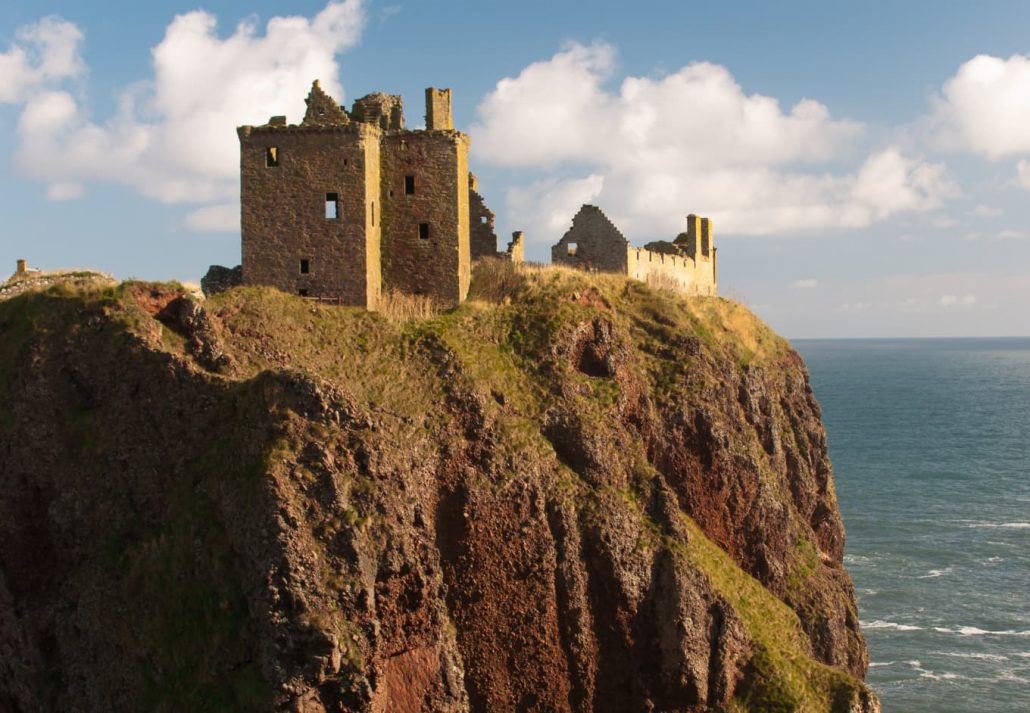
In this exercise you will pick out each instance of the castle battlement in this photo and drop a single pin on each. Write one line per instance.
(686, 264)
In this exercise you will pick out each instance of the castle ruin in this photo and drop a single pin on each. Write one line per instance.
(347, 203)
(687, 264)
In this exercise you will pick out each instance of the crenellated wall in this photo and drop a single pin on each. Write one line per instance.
(687, 264)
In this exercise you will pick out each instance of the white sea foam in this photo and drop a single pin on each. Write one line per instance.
(917, 666)
(878, 664)
(995, 559)
(975, 631)
(977, 656)
(1000, 525)
(880, 624)
(933, 573)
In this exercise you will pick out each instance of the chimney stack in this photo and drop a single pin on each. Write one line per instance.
(438, 109)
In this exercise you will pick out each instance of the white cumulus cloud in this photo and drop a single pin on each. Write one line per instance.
(1023, 174)
(983, 108)
(807, 283)
(955, 301)
(692, 141)
(545, 208)
(173, 136)
(220, 218)
(42, 54)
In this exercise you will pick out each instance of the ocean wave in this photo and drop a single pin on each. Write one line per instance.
(975, 631)
(917, 666)
(878, 664)
(934, 573)
(857, 559)
(977, 656)
(995, 559)
(880, 624)
(1000, 525)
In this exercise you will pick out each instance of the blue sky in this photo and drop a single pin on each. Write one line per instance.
(866, 165)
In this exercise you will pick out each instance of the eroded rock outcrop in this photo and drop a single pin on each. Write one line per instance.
(593, 497)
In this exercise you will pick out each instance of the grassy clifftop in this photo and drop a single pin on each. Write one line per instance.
(574, 492)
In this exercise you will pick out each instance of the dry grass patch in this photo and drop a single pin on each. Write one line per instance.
(403, 307)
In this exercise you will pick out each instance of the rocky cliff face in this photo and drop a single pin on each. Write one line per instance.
(573, 494)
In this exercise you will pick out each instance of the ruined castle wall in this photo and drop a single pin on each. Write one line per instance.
(425, 193)
(686, 275)
(592, 243)
(483, 239)
(438, 109)
(283, 207)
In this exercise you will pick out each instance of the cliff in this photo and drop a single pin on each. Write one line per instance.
(573, 493)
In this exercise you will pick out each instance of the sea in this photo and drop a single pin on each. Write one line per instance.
(930, 442)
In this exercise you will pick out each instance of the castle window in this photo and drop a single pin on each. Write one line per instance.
(302, 293)
(344, 162)
(332, 206)
(572, 249)
(423, 231)
(272, 156)
(409, 185)
(305, 267)
(484, 220)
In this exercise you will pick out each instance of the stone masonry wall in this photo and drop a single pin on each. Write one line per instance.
(594, 243)
(598, 243)
(483, 239)
(284, 219)
(436, 264)
(696, 277)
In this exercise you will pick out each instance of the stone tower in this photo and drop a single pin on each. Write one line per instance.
(347, 203)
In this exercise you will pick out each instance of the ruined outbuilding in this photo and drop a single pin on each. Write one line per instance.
(687, 264)
(346, 204)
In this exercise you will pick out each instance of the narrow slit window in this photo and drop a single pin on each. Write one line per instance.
(409, 185)
(344, 162)
(373, 214)
(423, 231)
(332, 206)
(572, 248)
(305, 267)
(272, 156)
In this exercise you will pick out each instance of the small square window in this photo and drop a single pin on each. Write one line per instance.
(332, 206)
(272, 156)
(305, 267)
(423, 231)
(409, 185)
(572, 248)
(302, 292)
